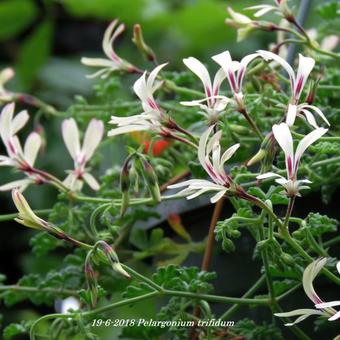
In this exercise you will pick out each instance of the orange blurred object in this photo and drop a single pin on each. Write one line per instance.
(144, 138)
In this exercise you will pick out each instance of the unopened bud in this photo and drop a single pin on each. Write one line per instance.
(175, 223)
(112, 258)
(26, 216)
(228, 245)
(152, 180)
(313, 85)
(138, 40)
(91, 279)
(287, 259)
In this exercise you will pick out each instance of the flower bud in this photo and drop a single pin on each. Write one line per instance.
(228, 245)
(26, 216)
(112, 258)
(313, 85)
(152, 180)
(175, 223)
(287, 259)
(265, 153)
(91, 279)
(138, 40)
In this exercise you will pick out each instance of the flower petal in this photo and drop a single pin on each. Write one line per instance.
(305, 67)
(262, 10)
(317, 110)
(284, 138)
(19, 121)
(93, 136)
(309, 274)
(309, 117)
(70, 134)
(20, 184)
(201, 72)
(229, 66)
(268, 175)
(91, 181)
(291, 114)
(306, 142)
(218, 196)
(6, 117)
(32, 147)
(99, 62)
(129, 128)
(327, 304)
(336, 316)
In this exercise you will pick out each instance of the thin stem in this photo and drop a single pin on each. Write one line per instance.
(168, 84)
(252, 290)
(251, 122)
(143, 278)
(211, 235)
(8, 217)
(326, 162)
(28, 289)
(332, 241)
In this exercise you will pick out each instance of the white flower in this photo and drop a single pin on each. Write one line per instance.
(152, 116)
(114, 62)
(215, 103)
(69, 304)
(235, 70)
(21, 159)
(81, 155)
(323, 308)
(209, 155)
(5, 75)
(297, 81)
(284, 138)
(304, 111)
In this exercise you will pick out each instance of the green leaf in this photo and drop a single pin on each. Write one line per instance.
(329, 10)
(15, 16)
(34, 53)
(15, 329)
(43, 243)
(139, 238)
(321, 224)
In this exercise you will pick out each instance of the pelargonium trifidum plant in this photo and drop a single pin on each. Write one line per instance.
(255, 140)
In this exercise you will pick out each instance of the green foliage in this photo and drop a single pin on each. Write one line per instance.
(15, 329)
(15, 16)
(250, 330)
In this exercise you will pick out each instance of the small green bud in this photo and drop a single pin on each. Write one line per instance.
(287, 259)
(138, 40)
(152, 180)
(91, 279)
(228, 245)
(112, 258)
